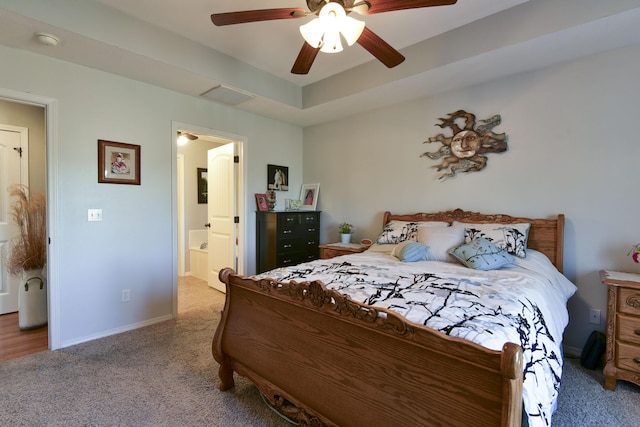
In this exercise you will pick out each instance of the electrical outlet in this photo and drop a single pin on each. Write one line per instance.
(126, 294)
(594, 316)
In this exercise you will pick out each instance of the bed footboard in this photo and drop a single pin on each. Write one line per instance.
(323, 359)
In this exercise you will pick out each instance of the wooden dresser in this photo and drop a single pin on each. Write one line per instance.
(286, 238)
(623, 327)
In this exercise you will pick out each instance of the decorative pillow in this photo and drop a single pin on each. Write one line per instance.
(510, 237)
(399, 231)
(440, 240)
(481, 254)
(409, 251)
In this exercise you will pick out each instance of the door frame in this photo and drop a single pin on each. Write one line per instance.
(52, 161)
(240, 144)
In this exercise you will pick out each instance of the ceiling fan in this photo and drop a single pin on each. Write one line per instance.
(319, 36)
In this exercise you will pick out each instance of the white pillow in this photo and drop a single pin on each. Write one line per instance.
(440, 240)
(398, 231)
(510, 237)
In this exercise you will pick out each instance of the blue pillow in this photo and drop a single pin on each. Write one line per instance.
(481, 254)
(412, 252)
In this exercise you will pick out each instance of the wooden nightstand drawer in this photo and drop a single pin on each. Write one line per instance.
(629, 301)
(628, 329)
(628, 357)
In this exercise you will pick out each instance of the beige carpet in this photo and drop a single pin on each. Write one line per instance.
(161, 375)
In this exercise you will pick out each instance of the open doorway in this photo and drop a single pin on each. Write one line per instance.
(193, 204)
(23, 140)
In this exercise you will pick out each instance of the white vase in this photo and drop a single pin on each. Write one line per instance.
(32, 300)
(345, 238)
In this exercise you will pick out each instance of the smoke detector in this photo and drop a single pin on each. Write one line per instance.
(47, 39)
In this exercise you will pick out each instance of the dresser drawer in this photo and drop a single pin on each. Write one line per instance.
(286, 232)
(293, 258)
(288, 219)
(628, 329)
(309, 218)
(628, 356)
(629, 301)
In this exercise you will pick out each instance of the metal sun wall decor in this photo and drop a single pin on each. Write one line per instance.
(466, 149)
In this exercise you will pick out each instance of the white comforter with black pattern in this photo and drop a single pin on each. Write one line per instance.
(524, 303)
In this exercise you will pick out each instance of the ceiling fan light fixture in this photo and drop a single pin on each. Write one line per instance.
(331, 42)
(324, 32)
(351, 29)
(312, 32)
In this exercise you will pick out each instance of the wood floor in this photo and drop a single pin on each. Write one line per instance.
(15, 343)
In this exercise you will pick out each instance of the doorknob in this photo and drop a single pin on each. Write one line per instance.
(208, 225)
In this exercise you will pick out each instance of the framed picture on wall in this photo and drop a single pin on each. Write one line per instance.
(118, 163)
(277, 178)
(203, 185)
(309, 196)
(261, 202)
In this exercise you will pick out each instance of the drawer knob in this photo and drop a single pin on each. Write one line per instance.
(311, 230)
(286, 232)
(287, 246)
(637, 332)
(637, 360)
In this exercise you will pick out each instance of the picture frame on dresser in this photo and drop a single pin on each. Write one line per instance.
(261, 202)
(309, 196)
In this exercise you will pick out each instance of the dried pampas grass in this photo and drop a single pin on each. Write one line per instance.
(27, 250)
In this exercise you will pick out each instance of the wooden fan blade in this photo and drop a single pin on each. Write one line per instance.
(380, 48)
(380, 6)
(242, 17)
(305, 59)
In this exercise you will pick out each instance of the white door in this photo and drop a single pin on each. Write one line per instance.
(221, 184)
(13, 142)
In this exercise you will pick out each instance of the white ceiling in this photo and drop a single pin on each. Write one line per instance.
(174, 44)
(274, 45)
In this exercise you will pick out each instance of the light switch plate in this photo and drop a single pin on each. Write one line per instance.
(94, 214)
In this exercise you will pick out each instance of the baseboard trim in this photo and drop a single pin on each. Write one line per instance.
(572, 351)
(116, 331)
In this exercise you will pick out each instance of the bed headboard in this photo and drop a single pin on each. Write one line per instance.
(545, 235)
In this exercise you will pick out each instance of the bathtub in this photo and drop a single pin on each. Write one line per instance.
(198, 256)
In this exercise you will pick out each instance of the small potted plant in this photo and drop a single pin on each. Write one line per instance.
(345, 229)
(634, 253)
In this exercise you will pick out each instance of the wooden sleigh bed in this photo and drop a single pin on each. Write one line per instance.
(321, 358)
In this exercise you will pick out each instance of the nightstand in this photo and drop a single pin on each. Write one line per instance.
(330, 250)
(623, 327)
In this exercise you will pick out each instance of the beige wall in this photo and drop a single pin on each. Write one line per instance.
(32, 118)
(572, 150)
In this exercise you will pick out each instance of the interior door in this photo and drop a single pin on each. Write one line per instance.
(13, 142)
(221, 201)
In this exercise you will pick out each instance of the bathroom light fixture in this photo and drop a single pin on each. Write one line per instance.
(47, 39)
(324, 31)
(185, 137)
